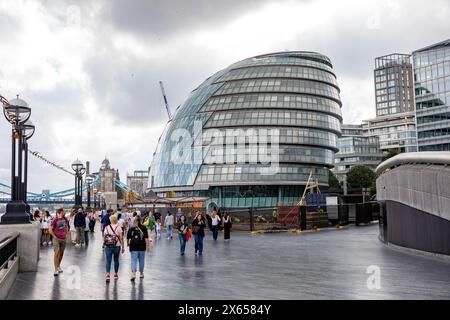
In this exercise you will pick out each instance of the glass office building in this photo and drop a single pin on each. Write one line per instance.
(432, 88)
(253, 133)
(356, 147)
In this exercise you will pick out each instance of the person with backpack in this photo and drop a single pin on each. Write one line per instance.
(149, 223)
(138, 242)
(113, 244)
(198, 230)
(183, 233)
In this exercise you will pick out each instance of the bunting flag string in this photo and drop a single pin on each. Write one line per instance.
(39, 156)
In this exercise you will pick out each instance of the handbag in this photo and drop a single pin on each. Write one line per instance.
(188, 235)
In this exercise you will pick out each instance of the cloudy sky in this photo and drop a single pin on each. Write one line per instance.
(90, 69)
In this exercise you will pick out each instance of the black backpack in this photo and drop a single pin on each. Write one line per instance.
(136, 236)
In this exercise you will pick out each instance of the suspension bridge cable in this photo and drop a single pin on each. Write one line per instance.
(39, 156)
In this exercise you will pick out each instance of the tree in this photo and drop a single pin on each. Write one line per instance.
(333, 181)
(392, 153)
(360, 177)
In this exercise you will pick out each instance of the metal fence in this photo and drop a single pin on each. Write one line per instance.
(8, 250)
(296, 217)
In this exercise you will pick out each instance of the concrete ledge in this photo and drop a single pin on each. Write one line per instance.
(28, 244)
(7, 277)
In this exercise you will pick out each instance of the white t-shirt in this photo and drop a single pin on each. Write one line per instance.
(215, 221)
(121, 222)
(87, 224)
(158, 226)
(72, 224)
(168, 220)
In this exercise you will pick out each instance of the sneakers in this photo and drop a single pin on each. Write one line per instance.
(196, 253)
(142, 275)
(116, 276)
(49, 243)
(108, 277)
(200, 253)
(56, 273)
(133, 276)
(44, 243)
(60, 270)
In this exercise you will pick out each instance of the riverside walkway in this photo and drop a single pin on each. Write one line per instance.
(330, 264)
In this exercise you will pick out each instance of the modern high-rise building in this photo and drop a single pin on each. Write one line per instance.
(138, 181)
(394, 86)
(253, 133)
(356, 147)
(432, 88)
(394, 97)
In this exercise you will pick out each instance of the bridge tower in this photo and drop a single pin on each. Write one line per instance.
(107, 185)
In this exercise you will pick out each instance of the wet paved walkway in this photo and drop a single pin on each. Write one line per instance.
(325, 265)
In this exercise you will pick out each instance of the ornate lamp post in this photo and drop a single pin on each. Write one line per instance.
(79, 169)
(95, 198)
(89, 179)
(17, 112)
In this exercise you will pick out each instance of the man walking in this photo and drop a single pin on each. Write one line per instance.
(80, 225)
(168, 222)
(59, 229)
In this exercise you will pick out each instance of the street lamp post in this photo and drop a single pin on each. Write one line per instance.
(28, 131)
(17, 112)
(95, 198)
(79, 169)
(89, 180)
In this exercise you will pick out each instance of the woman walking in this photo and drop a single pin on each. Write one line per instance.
(46, 221)
(113, 243)
(138, 242)
(215, 220)
(226, 226)
(198, 229)
(72, 229)
(183, 228)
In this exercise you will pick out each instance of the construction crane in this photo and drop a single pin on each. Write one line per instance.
(165, 100)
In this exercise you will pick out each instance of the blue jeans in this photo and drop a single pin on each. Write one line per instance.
(182, 239)
(215, 230)
(169, 231)
(109, 253)
(135, 256)
(198, 243)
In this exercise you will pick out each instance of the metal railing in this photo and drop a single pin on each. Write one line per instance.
(8, 249)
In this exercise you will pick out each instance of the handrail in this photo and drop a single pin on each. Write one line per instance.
(438, 158)
(8, 239)
(8, 249)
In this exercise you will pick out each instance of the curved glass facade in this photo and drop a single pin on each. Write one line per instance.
(269, 120)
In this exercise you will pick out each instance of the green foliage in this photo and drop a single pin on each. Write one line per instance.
(391, 154)
(333, 181)
(360, 177)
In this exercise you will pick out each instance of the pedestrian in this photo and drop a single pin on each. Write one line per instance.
(138, 242)
(73, 230)
(156, 214)
(92, 221)
(226, 226)
(198, 229)
(183, 229)
(150, 224)
(86, 228)
(59, 229)
(114, 245)
(47, 221)
(168, 222)
(121, 221)
(106, 219)
(178, 215)
(158, 229)
(80, 225)
(215, 220)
